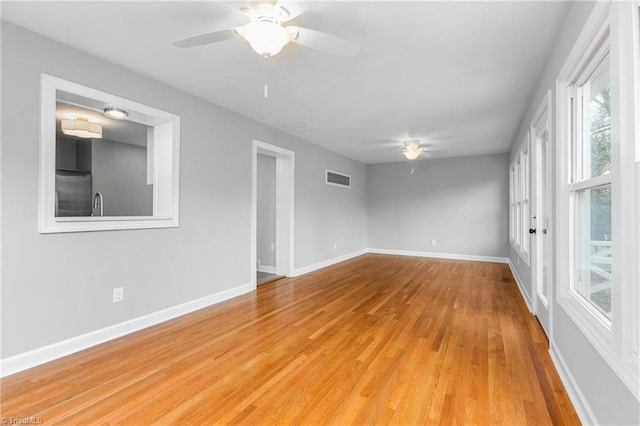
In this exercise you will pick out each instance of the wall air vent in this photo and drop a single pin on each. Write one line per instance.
(338, 179)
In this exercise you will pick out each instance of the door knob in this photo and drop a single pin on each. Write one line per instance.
(532, 230)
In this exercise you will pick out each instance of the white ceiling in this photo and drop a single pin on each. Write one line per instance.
(457, 75)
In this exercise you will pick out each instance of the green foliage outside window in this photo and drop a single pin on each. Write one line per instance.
(601, 164)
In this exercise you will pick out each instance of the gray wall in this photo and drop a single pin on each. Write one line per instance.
(329, 220)
(462, 203)
(119, 173)
(609, 399)
(266, 210)
(58, 286)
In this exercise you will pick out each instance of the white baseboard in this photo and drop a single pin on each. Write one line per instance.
(583, 410)
(57, 350)
(440, 255)
(525, 295)
(329, 262)
(267, 269)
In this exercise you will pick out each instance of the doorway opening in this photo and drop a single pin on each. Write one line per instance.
(272, 212)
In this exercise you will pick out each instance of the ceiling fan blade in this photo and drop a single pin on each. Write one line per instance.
(323, 42)
(289, 8)
(206, 38)
(434, 147)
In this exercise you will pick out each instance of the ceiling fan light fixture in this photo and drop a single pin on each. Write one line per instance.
(266, 37)
(81, 127)
(412, 155)
(412, 149)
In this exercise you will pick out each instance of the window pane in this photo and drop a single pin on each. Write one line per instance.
(525, 226)
(525, 201)
(596, 119)
(516, 172)
(512, 205)
(592, 278)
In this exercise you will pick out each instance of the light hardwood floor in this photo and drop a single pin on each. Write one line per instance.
(374, 340)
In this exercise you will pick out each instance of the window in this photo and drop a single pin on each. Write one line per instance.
(512, 204)
(122, 175)
(597, 189)
(519, 190)
(635, 69)
(517, 213)
(524, 199)
(590, 187)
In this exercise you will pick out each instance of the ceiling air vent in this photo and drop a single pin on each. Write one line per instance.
(338, 179)
(299, 126)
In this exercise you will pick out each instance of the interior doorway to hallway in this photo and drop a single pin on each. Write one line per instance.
(272, 212)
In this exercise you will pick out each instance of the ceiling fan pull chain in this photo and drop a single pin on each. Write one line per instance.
(266, 65)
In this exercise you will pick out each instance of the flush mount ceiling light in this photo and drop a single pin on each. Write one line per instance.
(115, 113)
(412, 149)
(82, 128)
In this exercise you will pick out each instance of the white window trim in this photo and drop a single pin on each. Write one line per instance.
(635, 70)
(543, 194)
(512, 225)
(519, 196)
(615, 339)
(626, 28)
(166, 161)
(634, 57)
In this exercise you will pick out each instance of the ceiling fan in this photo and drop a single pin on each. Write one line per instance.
(267, 35)
(414, 148)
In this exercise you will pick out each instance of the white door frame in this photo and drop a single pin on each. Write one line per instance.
(541, 124)
(285, 172)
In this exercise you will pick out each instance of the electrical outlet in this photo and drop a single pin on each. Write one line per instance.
(273, 246)
(335, 246)
(433, 242)
(118, 294)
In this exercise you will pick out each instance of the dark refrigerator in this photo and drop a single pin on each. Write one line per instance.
(73, 193)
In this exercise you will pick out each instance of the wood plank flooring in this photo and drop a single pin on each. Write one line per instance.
(374, 340)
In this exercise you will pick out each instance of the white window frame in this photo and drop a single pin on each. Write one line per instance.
(525, 199)
(608, 28)
(512, 204)
(630, 58)
(577, 180)
(164, 177)
(635, 55)
(520, 200)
